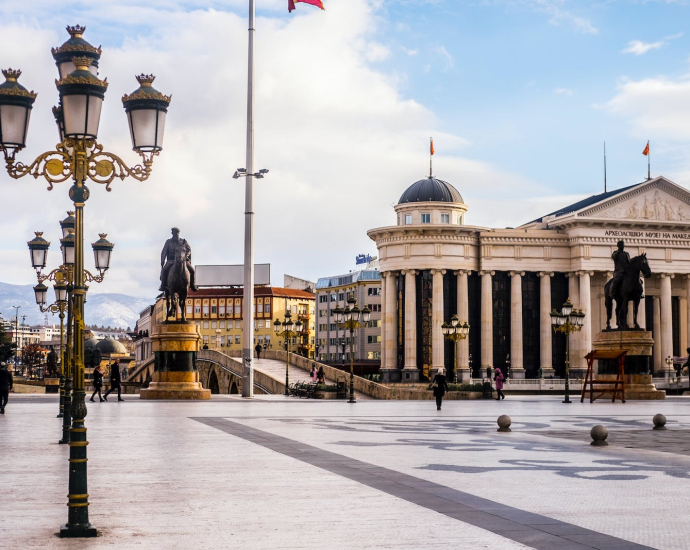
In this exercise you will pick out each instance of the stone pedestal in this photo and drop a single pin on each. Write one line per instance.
(638, 378)
(390, 375)
(175, 345)
(409, 375)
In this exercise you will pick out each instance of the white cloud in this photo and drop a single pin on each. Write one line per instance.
(563, 91)
(411, 53)
(637, 47)
(559, 14)
(339, 138)
(446, 56)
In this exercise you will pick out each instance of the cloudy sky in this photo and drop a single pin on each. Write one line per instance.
(519, 96)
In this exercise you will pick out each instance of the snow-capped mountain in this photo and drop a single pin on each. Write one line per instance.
(114, 310)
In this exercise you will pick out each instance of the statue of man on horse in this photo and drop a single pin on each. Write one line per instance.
(625, 286)
(177, 274)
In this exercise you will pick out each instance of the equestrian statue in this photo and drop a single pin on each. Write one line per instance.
(625, 286)
(177, 274)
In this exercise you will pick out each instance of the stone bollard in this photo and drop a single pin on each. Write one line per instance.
(659, 422)
(599, 434)
(503, 423)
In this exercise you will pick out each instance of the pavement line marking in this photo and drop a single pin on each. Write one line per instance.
(537, 531)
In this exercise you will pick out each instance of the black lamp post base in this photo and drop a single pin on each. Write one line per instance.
(63, 441)
(352, 400)
(60, 415)
(566, 400)
(78, 531)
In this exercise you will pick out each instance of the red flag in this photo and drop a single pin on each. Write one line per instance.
(646, 150)
(317, 3)
(432, 146)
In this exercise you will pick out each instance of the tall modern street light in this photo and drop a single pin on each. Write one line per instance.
(16, 338)
(352, 318)
(569, 320)
(80, 157)
(289, 330)
(455, 331)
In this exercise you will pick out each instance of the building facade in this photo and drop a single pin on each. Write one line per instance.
(504, 282)
(218, 312)
(334, 341)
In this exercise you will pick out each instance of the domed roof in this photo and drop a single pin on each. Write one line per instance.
(430, 190)
(90, 343)
(110, 346)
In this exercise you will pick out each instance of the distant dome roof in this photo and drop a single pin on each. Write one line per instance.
(90, 343)
(110, 346)
(430, 190)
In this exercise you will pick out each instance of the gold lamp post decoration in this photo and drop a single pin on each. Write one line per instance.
(287, 329)
(351, 318)
(566, 322)
(455, 331)
(79, 157)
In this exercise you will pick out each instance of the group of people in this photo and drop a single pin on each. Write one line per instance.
(317, 376)
(440, 386)
(115, 382)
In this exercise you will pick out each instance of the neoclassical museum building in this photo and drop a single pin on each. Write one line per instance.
(505, 282)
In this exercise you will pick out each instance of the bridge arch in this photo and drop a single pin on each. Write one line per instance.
(213, 382)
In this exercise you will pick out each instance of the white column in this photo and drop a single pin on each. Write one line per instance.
(687, 312)
(437, 340)
(410, 320)
(487, 327)
(666, 321)
(545, 330)
(586, 307)
(656, 334)
(574, 295)
(683, 320)
(463, 347)
(642, 310)
(391, 321)
(383, 319)
(517, 366)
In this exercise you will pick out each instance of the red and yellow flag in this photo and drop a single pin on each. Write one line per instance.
(646, 150)
(317, 3)
(432, 146)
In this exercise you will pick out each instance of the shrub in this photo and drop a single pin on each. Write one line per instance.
(461, 387)
(327, 388)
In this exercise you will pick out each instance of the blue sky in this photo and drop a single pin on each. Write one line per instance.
(518, 94)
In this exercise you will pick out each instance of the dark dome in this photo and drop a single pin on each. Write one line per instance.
(109, 346)
(430, 190)
(90, 343)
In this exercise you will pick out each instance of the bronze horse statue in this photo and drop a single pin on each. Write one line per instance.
(177, 285)
(630, 288)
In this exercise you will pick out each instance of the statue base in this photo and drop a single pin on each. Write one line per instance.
(175, 345)
(638, 378)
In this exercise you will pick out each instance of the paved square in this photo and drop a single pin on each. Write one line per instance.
(277, 472)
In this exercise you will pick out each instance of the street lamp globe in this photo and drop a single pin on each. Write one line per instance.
(366, 314)
(68, 223)
(338, 315)
(276, 326)
(81, 96)
(67, 247)
(347, 314)
(567, 308)
(41, 293)
(38, 250)
(454, 321)
(16, 103)
(75, 46)
(445, 328)
(298, 326)
(146, 108)
(60, 291)
(465, 330)
(102, 249)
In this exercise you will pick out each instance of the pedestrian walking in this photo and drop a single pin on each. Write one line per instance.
(314, 373)
(320, 376)
(440, 386)
(498, 378)
(97, 384)
(6, 384)
(258, 349)
(114, 381)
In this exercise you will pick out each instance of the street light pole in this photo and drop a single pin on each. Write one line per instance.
(290, 329)
(16, 337)
(455, 331)
(350, 318)
(569, 320)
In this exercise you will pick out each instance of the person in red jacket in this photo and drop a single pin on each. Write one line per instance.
(498, 378)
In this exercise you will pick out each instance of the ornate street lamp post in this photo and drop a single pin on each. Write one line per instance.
(569, 320)
(351, 318)
(80, 157)
(455, 331)
(289, 330)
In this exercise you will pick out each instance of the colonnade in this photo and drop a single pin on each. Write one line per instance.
(579, 289)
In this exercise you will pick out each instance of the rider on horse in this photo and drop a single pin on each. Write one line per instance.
(621, 261)
(168, 254)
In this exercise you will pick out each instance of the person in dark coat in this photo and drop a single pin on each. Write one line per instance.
(6, 384)
(258, 349)
(498, 378)
(440, 386)
(114, 381)
(320, 376)
(97, 384)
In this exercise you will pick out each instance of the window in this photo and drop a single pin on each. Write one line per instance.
(238, 309)
(426, 218)
(333, 342)
(259, 308)
(214, 309)
(445, 218)
(374, 324)
(205, 310)
(189, 309)
(333, 327)
(205, 339)
(237, 339)
(323, 298)
(460, 219)
(267, 308)
(341, 296)
(373, 355)
(323, 328)
(373, 339)
(197, 309)
(408, 219)
(205, 324)
(334, 297)
(374, 291)
(323, 313)
(214, 324)
(220, 339)
(221, 311)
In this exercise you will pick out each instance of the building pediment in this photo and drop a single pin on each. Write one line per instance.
(658, 200)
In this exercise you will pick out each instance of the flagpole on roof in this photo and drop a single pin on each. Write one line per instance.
(431, 156)
(604, 166)
(649, 175)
